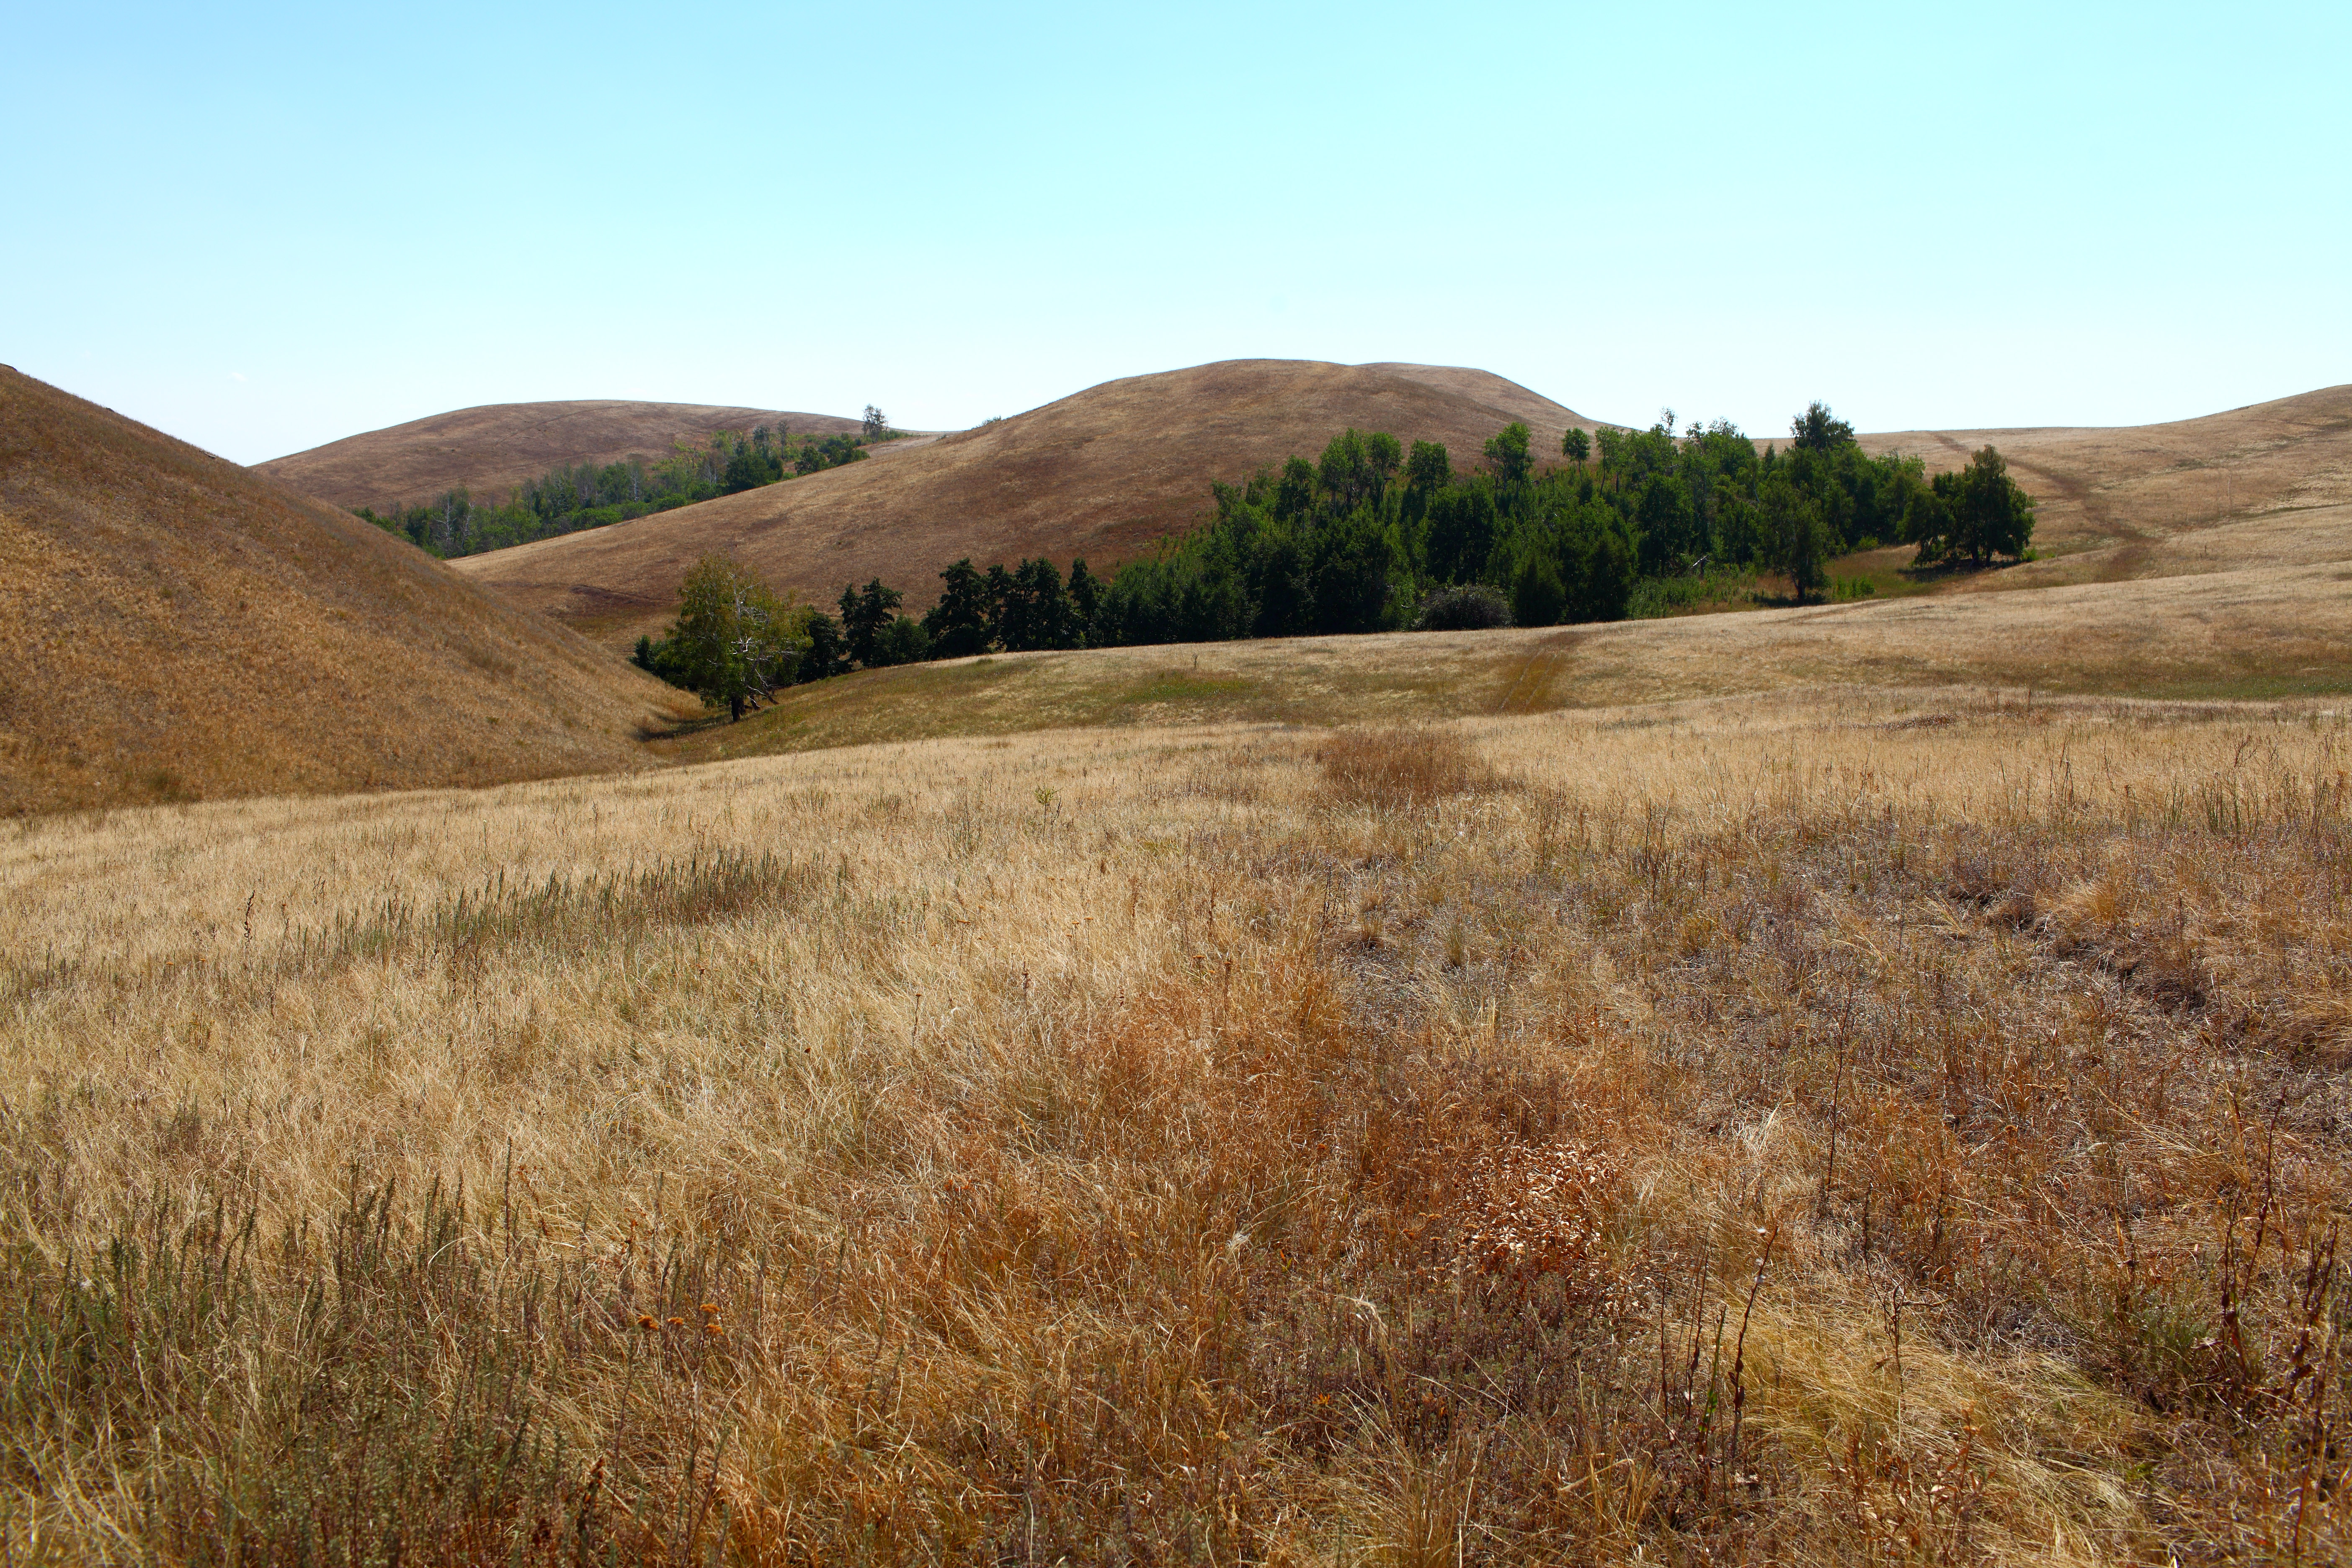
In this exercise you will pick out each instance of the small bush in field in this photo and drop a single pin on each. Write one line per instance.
(1474, 607)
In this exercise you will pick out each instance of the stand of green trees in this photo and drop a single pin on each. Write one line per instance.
(1372, 537)
(567, 500)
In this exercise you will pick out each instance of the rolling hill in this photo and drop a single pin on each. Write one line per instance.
(1105, 472)
(2278, 475)
(2253, 633)
(1101, 474)
(499, 445)
(181, 627)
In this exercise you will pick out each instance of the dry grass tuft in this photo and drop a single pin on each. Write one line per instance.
(1406, 768)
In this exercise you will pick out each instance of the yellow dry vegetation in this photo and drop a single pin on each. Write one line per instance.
(1102, 474)
(493, 448)
(2252, 632)
(2127, 490)
(179, 628)
(1825, 1128)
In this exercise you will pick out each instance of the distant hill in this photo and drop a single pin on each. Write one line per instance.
(1102, 474)
(498, 445)
(2279, 471)
(178, 626)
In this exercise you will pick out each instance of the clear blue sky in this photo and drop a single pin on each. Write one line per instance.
(264, 227)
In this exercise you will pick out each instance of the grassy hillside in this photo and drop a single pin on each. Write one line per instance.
(2131, 490)
(1102, 474)
(499, 446)
(2268, 632)
(181, 628)
(1823, 1128)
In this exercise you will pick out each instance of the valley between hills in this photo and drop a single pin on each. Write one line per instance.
(1847, 1081)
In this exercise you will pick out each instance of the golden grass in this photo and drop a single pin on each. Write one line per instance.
(179, 629)
(1107, 472)
(1101, 474)
(2151, 484)
(1817, 1128)
(492, 450)
(2246, 634)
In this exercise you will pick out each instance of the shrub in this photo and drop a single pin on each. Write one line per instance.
(1472, 607)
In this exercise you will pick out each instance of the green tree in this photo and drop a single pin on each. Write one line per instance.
(1354, 469)
(734, 637)
(1427, 471)
(1428, 468)
(1085, 592)
(1576, 445)
(1538, 595)
(1793, 535)
(1458, 534)
(1990, 515)
(961, 623)
(1037, 612)
(1507, 451)
(864, 613)
(1815, 431)
(748, 468)
(1294, 495)
(826, 656)
(903, 641)
(875, 424)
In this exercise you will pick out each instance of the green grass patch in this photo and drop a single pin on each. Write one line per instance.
(1185, 686)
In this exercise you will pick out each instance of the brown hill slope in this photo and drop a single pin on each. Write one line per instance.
(499, 445)
(2127, 491)
(180, 627)
(1101, 474)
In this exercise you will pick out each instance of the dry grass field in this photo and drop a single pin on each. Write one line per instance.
(2272, 632)
(1826, 1128)
(178, 626)
(1102, 474)
(495, 447)
(2128, 491)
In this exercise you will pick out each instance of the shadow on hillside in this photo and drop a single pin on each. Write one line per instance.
(714, 719)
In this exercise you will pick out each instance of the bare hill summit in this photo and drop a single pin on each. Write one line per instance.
(180, 627)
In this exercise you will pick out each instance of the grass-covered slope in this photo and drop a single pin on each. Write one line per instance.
(498, 445)
(179, 626)
(1102, 474)
(2130, 492)
(1826, 1130)
(2261, 633)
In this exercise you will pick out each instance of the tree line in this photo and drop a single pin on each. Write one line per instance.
(586, 495)
(1372, 536)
